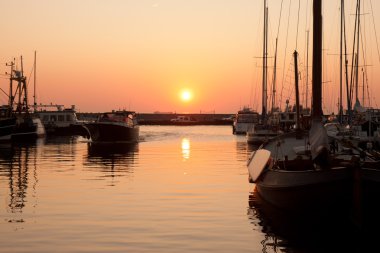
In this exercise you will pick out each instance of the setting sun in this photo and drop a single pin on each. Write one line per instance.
(186, 95)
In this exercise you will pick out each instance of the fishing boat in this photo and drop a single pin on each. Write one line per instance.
(115, 126)
(16, 121)
(7, 123)
(296, 171)
(244, 120)
(267, 127)
(60, 120)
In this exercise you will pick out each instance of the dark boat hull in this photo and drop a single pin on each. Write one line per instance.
(309, 190)
(369, 196)
(21, 129)
(28, 129)
(6, 128)
(71, 130)
(112, 132)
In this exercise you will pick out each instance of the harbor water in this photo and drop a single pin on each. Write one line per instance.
(180, 189)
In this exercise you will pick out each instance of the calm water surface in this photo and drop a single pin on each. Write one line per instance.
(181, 189)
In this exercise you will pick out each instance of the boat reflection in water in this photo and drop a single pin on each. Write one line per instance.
(18, 170)
(307, 232)
(244, 149)
(112, 159)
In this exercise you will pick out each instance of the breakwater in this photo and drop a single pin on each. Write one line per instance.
(167, 118)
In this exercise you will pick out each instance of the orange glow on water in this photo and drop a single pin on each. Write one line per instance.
(185, 145)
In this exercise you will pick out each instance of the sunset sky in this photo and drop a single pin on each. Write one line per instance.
(141, 54)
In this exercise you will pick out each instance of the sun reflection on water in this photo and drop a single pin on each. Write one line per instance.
(185, 145)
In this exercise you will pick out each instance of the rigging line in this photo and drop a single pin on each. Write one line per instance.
(30, 75)
(374, 28)
(353, 52)
(298, 21)
(364, 57)
(4, 92)
(307, 15)
(286, 48)
(279, 20)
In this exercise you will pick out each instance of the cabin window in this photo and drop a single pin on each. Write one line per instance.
(291, 116)
(61, 118)
(53, 118)
(45, 118)
(68, 118)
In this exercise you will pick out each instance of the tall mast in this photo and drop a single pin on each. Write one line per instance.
(265, 43)
(295, 54)
(348, 88)
(317, 60)
(363, 87)
(356, 78)
(11, 97)
(307, 71)
(357, 52)
(35, 84)
(23, 90)
(274, 78)
(341, 65)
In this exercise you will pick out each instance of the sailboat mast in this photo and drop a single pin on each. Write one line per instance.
(307, 71)
(264, 95)
(317, 60)
(348, 88)
(363, 87)
(295, 54)
(356, 78)
(341, 65)
(274, 78)
(357, 52)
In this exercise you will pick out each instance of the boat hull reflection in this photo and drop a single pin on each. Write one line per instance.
(304, 232)
(111, 149)
(112, 160)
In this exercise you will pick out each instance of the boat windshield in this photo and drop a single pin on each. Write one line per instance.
(122, 118)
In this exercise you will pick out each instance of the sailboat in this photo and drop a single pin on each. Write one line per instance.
(16, 122)
(296, 171)
(269, 125)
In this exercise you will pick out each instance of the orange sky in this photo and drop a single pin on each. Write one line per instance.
(139, 54)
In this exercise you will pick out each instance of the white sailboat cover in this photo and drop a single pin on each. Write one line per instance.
(318, 140)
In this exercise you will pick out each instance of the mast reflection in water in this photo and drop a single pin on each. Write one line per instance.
(18, 171)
